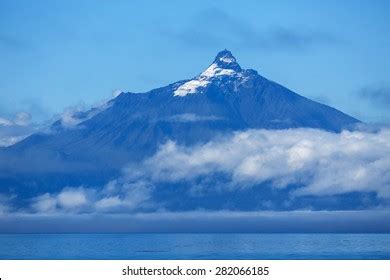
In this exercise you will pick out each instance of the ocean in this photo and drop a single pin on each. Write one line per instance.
(194, 246)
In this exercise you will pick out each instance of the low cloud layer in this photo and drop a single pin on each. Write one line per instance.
(319, 162)
(315, 162)
(201, 221)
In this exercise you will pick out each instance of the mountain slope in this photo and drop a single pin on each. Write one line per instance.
(223, 98)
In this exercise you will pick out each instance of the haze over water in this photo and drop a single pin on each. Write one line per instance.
(195, 246)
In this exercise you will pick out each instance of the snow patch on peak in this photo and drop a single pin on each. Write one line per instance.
(214, 70)
(224, 65)
(190, 87)
(203, 80)
(227, 59)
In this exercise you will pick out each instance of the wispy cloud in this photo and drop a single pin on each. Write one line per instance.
(377, 95)
(73, 116)
(5, 203)
(192, 118)
(20, 119)
(229, 30)
(13, 130)
(120, 195)
(116, 196)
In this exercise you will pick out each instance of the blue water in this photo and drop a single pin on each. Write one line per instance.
(194, 246)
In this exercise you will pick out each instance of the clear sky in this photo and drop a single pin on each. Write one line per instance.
(55, 54)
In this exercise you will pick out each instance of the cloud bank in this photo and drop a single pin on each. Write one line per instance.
(319, 162)
(201, 222)
(315, 162)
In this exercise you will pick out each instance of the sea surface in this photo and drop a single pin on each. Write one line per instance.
(194, 246)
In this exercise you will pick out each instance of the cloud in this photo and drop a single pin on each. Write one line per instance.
(320, 163)
(20, 126)
(303, 164)
(116, 196)
(73, 116)
(119, 195)
(13, 130)
(116, 93)
(45, 203)
(72, 198)
(288, 39)
(5, 122)
(232, 31)
(192, 118)
(69, 200)
(8, 140)
(109, 202)
(5, 203)
(377, 95)
(70, 118)
(20, 119)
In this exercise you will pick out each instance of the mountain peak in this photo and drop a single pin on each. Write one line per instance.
(224, 65)
(226, 60)
(224, 54)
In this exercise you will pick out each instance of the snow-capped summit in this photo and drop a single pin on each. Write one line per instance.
(224, 64)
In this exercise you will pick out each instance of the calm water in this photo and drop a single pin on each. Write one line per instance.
(194, 246)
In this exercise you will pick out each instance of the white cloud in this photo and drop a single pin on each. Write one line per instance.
(20, 119)
(15, 129)
(116, 196)
(69, 200)
(116, 93)
(71, 117)
(9, 140)
(5, 203)
(192, 118)
(320, 162)
(316, 162)
(6, 122)
(121, 194)
(108, 202)
(45, 203)
(72, 198)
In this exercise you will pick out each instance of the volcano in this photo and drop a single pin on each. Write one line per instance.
(91, 147)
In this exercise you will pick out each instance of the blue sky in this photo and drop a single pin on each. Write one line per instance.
(56, 54)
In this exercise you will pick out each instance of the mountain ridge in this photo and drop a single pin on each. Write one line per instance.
(92, 147)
